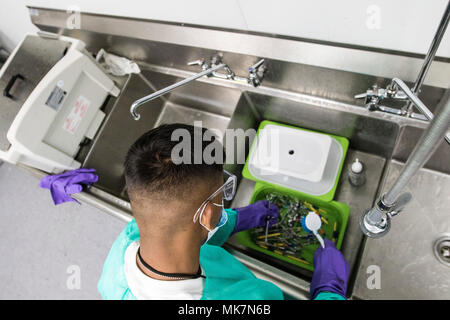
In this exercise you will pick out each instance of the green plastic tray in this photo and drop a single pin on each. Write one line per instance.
(325, 197)
(336, 212)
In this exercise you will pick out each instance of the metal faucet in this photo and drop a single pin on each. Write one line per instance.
(398, 90)
(256, 74)
(375, 95)
(207, 71)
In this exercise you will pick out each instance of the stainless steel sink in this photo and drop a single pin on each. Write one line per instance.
(303, 87)
(221, 104)
(372, 141)
(381, 141)
(376, 139)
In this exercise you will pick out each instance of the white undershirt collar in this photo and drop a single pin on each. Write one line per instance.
(144, 287)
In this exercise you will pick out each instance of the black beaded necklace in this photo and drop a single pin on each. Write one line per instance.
(179, 276)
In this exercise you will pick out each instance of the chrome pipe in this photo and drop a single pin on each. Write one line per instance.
(165, 90)
(430, 55)
(426, 146)
(376, 221)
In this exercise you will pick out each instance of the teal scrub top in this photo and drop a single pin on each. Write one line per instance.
(226, 277)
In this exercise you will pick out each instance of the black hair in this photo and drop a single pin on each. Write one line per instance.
(149, 167)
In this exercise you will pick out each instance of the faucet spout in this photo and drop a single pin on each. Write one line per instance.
(165, 90)
(256, 74)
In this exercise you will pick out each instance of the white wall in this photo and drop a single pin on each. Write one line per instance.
(406, 25)
(14, 22)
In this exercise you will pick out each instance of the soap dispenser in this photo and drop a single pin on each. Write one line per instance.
(356, 173)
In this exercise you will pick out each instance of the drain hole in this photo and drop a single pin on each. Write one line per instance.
(291, 151)
(442, 249)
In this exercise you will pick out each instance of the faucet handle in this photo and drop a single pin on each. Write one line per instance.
(256, 73)
(373, 91)
(361, 96)
(196, 62)
(256, 66)
(199, 62)
(372, 97)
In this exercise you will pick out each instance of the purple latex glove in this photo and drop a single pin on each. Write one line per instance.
(62, 185)
(330, 271)
(255, 215)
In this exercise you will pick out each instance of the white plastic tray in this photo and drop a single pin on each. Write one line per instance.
(296, 159)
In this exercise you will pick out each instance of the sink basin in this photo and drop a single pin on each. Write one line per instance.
(372, 141)
(211, 105)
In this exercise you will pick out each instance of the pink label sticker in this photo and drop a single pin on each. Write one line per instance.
(76, 115)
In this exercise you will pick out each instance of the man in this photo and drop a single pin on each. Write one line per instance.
(172, 247)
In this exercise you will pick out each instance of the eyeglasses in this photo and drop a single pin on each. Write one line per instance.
(228, 188)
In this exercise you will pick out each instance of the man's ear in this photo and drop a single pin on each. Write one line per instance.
(208, 216)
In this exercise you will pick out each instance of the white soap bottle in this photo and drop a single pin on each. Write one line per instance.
(356, 173)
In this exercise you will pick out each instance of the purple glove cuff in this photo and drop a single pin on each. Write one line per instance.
(255, 215)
